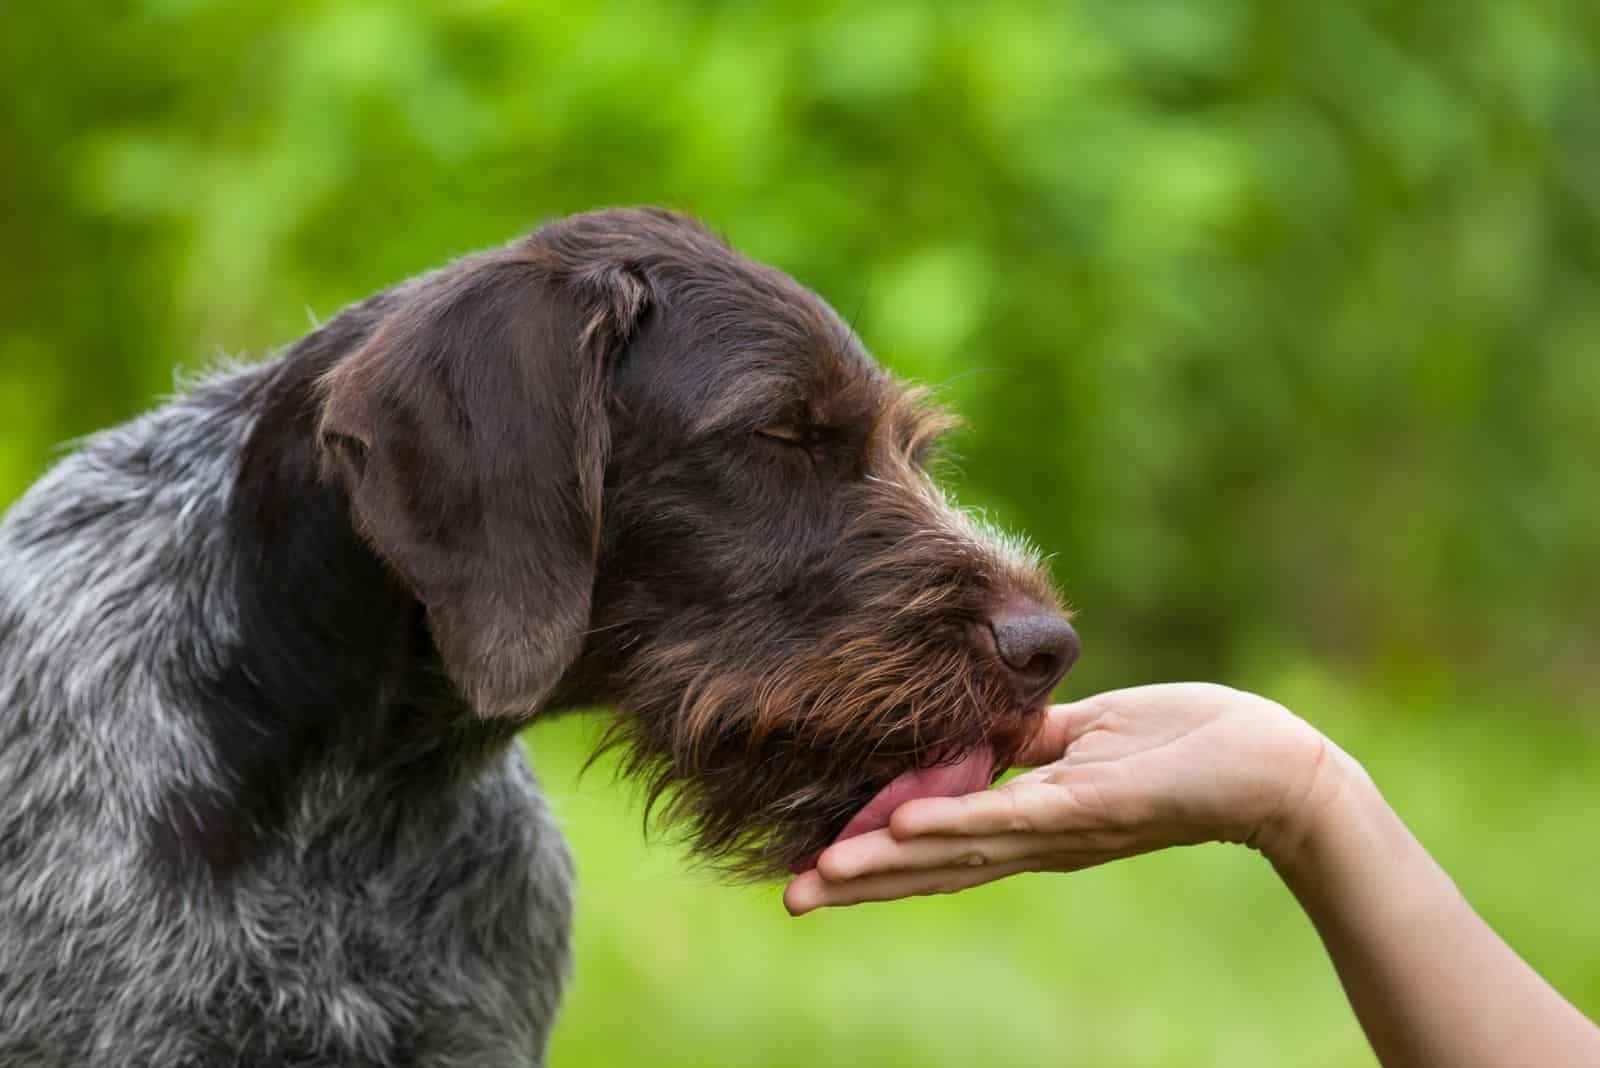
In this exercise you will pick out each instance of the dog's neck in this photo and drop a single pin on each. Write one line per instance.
(333, 674)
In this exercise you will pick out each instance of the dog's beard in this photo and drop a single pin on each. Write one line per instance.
(761, 765)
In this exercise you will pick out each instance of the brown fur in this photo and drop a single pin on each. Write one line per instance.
(619, 463)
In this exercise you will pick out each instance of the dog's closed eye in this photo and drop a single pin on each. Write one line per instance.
(787, 433)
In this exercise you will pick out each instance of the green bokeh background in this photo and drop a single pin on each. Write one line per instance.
(1276, 324)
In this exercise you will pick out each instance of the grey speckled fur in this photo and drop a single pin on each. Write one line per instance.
(431, 933)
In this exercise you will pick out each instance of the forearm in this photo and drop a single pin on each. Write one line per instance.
(1431, 983)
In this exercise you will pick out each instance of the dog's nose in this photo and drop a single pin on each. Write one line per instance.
(1036, 647)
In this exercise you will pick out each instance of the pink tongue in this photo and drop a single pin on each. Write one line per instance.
(968, 775)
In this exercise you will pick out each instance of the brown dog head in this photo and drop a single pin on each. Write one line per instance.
(617, 462)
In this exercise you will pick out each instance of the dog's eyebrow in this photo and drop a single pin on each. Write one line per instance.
(917, 424)
(756, 399)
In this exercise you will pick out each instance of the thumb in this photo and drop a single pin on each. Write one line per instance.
(1062, 725)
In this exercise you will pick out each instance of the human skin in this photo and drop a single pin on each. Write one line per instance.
(1136, 770)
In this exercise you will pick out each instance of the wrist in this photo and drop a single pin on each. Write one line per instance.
(1334, 792)
(1351, 861)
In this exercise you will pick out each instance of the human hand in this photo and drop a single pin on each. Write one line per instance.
(1123, 773)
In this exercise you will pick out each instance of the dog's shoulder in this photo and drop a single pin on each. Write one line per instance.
(157, 704)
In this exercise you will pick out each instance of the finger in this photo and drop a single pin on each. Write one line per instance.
(1063, 725)
(1022, 805)
(810, 891)
(880, 852)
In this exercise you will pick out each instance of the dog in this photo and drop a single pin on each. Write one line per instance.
(265, 651)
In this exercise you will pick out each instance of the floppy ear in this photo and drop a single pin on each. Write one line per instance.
(470, 433)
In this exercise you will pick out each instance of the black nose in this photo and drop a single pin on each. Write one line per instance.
(1036, 647)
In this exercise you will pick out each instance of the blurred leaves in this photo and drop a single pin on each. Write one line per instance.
(1276, 323)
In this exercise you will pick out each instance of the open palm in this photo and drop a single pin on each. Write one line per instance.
(1121, 773)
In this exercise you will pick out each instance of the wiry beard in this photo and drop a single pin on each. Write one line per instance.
(759, 763)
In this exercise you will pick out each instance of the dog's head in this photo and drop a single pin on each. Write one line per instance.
(618, 462)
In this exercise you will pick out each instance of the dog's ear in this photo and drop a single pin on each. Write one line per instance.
(470, 433)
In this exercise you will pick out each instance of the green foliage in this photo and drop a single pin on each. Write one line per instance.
(1276, 323)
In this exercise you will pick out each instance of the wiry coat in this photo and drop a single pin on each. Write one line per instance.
(264, 652)
(404, 910)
